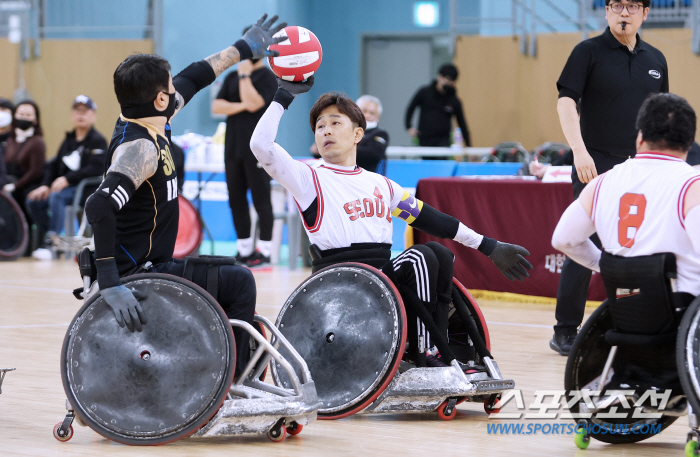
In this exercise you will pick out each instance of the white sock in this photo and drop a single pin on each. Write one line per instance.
(245, 246)
(265, 247)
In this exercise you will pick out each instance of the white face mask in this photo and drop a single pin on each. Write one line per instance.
(371, 125)
(5, 119)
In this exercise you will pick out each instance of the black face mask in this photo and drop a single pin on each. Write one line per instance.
(23, 124)
(148, 109)
(449, 90)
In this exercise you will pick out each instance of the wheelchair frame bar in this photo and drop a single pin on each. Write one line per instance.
(278, 338)
(272, 352)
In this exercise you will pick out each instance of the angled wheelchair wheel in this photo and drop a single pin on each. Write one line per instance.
(459, 339)
(157, 385)
(348, 323)
(583, 369)
(687, 354)
(14, 231)
(189, 231)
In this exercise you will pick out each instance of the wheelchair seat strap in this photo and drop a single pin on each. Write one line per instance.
(213, 281)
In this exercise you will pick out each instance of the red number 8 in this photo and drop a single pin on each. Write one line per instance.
(628, 220)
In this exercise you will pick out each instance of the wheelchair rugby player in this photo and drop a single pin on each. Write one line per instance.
(352, 328)
(153, 358)
(637, 353)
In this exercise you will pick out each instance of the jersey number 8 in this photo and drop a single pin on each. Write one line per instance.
(632, 207)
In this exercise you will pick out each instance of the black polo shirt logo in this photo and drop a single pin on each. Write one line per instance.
(655, 74)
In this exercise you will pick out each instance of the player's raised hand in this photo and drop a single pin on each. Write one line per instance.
(260, 36)
(296, 88)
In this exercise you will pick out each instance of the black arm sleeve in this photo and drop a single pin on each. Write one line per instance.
(101, 209)
(436, 223)
(194, 78)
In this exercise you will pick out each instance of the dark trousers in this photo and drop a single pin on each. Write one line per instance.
(237, 295)
(243, 174)
(575, 279)
(423, 274)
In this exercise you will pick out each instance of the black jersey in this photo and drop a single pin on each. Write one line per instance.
(147, 224)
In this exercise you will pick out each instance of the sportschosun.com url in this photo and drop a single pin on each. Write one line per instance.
(546, 428)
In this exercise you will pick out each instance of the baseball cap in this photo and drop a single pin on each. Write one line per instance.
(85, 100)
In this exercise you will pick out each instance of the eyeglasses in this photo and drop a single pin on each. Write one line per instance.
(632, 8)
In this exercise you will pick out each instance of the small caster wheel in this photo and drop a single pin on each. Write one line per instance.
(294, 428)
(582, 438)
(277, 433)
(691, 449)
(62, 435)
(445, 413)
(492, 405)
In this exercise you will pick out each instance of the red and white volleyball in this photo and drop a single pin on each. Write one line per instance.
(300, 54)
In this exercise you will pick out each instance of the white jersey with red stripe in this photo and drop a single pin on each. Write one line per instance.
(354, 206)
(638, 210)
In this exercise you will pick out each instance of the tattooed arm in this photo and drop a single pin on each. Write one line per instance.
(222, 61)
(137, 160)
(252, 45)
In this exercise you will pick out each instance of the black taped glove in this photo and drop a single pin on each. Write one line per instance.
(127, 310)
(507, 257)
(287, 90)
(254, 43)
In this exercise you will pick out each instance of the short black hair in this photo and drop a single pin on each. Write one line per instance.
(140, 78)
(449, 71)
(645, 3)
(667, 121)
(345, 105)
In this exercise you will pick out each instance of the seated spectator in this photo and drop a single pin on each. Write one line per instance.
(371, 150)
(80, 156)
(7, 108)
(25, 153)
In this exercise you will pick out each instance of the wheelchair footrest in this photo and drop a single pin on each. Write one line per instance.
(240, 416)
(424, 389)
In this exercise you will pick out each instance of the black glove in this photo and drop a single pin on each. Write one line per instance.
(287, 90)
(125, 306)
(507, 257)
(254, 43)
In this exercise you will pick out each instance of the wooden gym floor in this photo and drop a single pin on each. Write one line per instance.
(36, 306)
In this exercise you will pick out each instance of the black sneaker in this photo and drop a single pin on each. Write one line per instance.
(241, 260)
(561, 342)
(256, 259)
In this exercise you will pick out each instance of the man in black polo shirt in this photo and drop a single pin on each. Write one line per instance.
(611, 75)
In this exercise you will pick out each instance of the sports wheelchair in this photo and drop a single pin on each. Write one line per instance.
(175, 378)
(633, 368)
(348, 322)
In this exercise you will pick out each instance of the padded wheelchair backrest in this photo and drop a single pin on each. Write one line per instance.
(639, 292)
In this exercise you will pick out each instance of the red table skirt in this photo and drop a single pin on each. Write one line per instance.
(516, 211)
